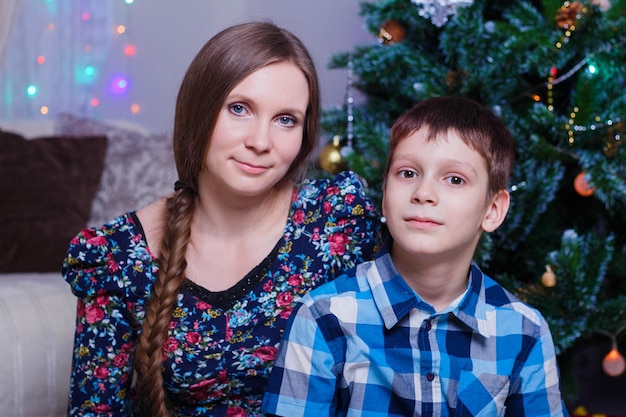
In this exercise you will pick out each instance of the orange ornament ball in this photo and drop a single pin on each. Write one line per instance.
(582, 186)
(614, 363)
(391, 32)
(548, 279)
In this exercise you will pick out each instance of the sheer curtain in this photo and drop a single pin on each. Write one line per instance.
(8, 12)
(51, 60)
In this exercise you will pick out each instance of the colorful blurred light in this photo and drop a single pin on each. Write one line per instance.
(119, 85)
(31, 90)
(130, 50)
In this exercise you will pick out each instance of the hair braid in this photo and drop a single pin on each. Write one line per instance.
(171, 275)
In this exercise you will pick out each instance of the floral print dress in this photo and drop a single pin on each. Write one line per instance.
(221, 345)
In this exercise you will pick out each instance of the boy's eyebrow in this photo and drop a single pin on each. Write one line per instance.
(456, 162)
(451, 162)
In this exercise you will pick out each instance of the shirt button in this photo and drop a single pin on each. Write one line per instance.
(430, 376)
(427, 326)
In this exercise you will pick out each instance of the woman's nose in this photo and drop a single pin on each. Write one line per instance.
(259, 138)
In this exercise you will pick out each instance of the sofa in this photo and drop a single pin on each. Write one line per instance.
(58, 176)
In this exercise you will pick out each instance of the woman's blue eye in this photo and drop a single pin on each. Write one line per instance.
(286, 121)
(237, 108)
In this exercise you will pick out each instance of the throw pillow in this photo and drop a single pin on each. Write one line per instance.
(139, 167)
(47, 187)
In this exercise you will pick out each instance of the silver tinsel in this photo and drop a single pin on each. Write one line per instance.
(439, 11)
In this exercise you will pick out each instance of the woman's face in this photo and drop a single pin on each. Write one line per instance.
(258, 132)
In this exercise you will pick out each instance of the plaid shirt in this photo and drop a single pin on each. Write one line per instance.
(369, 346)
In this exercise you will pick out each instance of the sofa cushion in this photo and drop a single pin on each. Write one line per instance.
(139, 167)
(47, 186)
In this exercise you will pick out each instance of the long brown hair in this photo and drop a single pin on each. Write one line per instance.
(223, 62)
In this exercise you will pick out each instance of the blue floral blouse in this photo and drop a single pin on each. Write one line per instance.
(221, 345)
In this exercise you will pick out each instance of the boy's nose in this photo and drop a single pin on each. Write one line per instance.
(424, 193)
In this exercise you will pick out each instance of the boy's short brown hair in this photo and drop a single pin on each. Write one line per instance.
(476, 125)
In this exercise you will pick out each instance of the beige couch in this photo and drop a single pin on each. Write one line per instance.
(37, 314)
(44, 182)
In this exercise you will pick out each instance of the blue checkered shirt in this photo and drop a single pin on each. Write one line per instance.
(367, 345)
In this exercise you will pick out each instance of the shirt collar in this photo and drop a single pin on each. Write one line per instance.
(472, 310)
(394, 298)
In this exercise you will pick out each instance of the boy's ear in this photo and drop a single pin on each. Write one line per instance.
(496, 211)
(382, 201)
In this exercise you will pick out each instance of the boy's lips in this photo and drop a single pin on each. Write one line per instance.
(422, 222)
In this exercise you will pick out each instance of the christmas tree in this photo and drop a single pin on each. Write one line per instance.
(555, 72)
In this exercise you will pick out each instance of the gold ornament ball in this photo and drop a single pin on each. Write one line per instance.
(330, 158)
(614, 363)
(548, 279)
(391, 32)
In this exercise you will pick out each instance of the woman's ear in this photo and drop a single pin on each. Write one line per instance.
(496, 211)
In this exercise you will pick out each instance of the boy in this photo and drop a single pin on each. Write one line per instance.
(421, 331)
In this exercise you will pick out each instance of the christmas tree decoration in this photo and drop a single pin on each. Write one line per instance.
(611, 147)
(568, 14)
(347, 150)
(613, 364)
(614, 139)
(330, 158)
(570, 127)
(581, 185)
(603, 5)
(550, 87)
(439, 11)
(555, 72)
(548, 278)
(455, 78)
(391, 32)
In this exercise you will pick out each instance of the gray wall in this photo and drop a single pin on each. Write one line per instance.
(168, 34)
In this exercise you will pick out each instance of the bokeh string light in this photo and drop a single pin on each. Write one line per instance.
(68, 57)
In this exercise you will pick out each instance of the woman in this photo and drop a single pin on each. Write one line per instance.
(181, 304)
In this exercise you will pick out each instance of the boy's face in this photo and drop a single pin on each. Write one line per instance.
(435, 198)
